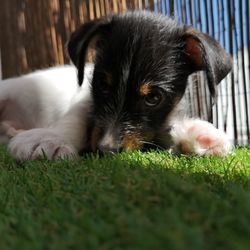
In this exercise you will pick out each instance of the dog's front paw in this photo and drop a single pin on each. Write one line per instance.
(39, 143)
(194, 136)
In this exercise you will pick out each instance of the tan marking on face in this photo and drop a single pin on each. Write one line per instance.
(132, 141)
(145, 89)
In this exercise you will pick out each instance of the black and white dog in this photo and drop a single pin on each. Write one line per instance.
(131, 98)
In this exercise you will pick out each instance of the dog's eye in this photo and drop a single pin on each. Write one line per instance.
(154, 98)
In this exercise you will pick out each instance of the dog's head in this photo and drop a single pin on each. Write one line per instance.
(142, 63)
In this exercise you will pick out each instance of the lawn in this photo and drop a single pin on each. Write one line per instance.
(131, 201)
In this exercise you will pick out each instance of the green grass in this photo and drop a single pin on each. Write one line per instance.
(128, 201)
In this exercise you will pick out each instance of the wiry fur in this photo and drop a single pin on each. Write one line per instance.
(112, 113)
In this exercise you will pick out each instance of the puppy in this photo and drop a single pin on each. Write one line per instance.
(132, 97)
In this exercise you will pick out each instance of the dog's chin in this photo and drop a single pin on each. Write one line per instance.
(145, 147)
(128, 144)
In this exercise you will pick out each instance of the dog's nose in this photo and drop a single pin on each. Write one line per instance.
(108, 143)
(106, 148)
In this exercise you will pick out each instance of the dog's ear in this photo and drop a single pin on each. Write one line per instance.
(205, 53)
(81, 39)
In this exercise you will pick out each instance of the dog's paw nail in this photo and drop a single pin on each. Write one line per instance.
(51, 151)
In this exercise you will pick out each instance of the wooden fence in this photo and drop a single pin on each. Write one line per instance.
(34, 32)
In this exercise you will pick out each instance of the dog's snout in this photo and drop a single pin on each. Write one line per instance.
(108, 143)
(106, 148)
